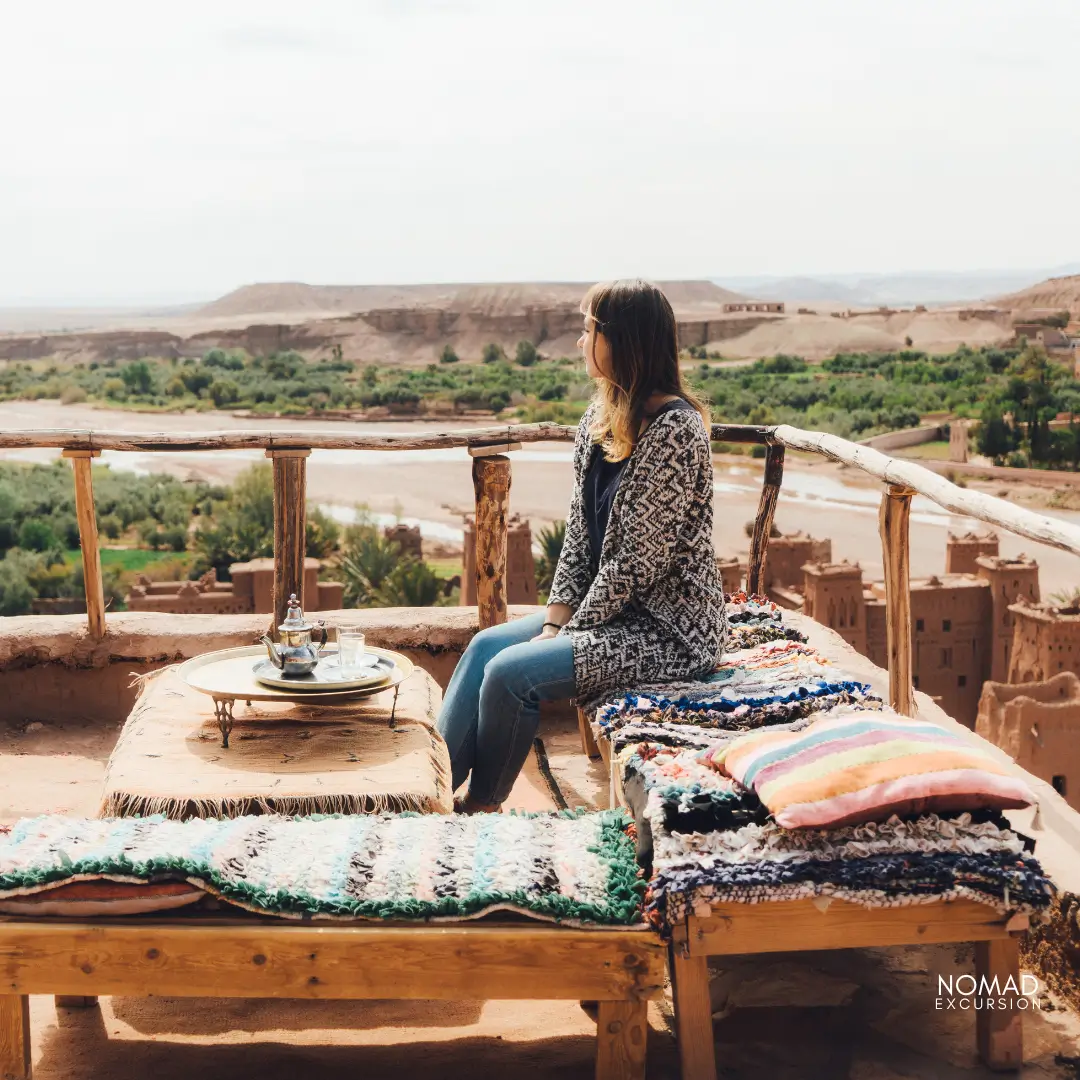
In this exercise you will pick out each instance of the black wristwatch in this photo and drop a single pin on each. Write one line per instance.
(558, 626)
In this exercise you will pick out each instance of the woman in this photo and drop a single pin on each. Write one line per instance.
(636, 596)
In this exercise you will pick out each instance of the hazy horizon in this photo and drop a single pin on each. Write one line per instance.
(160, 157)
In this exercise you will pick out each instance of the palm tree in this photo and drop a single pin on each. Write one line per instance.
(551, 540)
(412, 583)
(368, 559)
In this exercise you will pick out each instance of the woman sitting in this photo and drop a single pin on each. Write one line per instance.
(636, 596)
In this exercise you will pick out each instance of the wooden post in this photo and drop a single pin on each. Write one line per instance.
(81, 463)
(290, 528)
(999, 1033)
(895, 552)
(693, 1013)
(759, 542)
(14, 1037)
(491, 485)
(622, 1028)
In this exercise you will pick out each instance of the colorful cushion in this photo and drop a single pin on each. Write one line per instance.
(864, 766)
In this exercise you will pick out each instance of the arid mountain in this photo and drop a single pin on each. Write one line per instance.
(893, 290)
(483, 300)
(1055, 294)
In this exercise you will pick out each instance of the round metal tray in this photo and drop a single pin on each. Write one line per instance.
(327, 675)
(228, 675)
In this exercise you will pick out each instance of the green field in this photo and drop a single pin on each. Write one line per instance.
(131, 559)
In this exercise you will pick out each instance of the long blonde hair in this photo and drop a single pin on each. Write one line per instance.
(639, 325)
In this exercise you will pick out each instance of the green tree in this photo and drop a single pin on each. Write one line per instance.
(411, 583)
(525, 354)
(448, 356)
(323, 534)
(36, 535)
(492, 353)
(367, 560)
(138, 378)
(224, 392)
(16, 593)
(551, 539)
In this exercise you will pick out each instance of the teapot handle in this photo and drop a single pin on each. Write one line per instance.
(319, 636)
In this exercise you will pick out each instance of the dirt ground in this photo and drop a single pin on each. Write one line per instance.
(857, 1015)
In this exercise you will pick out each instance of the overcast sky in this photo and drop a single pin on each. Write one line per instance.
(175, 151)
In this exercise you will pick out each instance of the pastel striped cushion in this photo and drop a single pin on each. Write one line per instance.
(865, 766)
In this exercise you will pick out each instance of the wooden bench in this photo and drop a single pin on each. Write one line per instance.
(802, 926)
(197, 957)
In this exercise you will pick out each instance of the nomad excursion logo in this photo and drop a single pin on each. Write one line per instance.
(969, 994)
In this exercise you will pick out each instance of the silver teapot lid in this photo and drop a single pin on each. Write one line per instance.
(294, 617)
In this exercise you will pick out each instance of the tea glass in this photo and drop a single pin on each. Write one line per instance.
(350, 651)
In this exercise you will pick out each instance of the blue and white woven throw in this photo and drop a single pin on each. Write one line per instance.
(571, 867)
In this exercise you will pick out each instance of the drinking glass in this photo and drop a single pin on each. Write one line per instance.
(350, 650)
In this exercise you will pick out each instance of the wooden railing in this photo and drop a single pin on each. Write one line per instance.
(489, 448)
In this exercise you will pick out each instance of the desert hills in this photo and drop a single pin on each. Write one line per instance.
(410, 324)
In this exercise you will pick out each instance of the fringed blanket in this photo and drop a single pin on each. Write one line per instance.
(706, 839)
(571, 867)
(282, 759)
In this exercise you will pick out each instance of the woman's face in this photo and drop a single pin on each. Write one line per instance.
(596, 350)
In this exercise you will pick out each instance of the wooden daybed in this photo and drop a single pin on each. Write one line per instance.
(803, 926)
(200, 957)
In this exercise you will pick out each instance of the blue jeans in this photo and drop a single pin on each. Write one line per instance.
(491, 708)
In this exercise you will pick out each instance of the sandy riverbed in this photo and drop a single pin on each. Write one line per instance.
(435, 487)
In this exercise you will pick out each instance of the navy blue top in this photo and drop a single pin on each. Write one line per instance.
(601, 482)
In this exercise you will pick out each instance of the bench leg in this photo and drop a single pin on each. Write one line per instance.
(14, 1037)
(999, 1032)
(693, 1014)
(75, 1001)
(588, 743)
(621, 1031)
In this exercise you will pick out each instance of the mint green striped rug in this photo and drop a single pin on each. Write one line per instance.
(571, 867)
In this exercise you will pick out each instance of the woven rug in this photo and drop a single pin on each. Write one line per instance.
(281, 758)
(570, 867)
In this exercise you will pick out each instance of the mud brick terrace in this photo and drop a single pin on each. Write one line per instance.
(183, 969)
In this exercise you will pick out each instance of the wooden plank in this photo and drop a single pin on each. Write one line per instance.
(493, 449)
(491, 486)
(14, 1037)
(82, 464)
(232, 959)
(75, 1001)
(622, 1030)
(963, 501)
(999, 1033)
(692, 1005)
(894, 523)
(158, 442)
(795, 925)
(267, 439)
(290, 529)
(763, 522)
(588, 742)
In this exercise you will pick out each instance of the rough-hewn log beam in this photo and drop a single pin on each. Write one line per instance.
(290, 527)
(88, 439)
(85, 513)
(759, 542)
(964, 501)
(895, 515)
(491, 485)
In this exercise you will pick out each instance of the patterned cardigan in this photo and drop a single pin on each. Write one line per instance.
(655, 609)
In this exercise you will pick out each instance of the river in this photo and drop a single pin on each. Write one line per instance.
(433, 488)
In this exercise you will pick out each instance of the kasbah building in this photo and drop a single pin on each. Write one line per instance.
(984, 645)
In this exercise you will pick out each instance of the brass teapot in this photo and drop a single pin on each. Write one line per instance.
(301, 642)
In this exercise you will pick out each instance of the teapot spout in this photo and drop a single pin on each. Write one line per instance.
(274, 651)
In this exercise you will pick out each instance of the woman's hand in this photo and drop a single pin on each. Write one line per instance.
(547, 632)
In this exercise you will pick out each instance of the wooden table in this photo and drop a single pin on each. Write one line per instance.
(244, 958)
